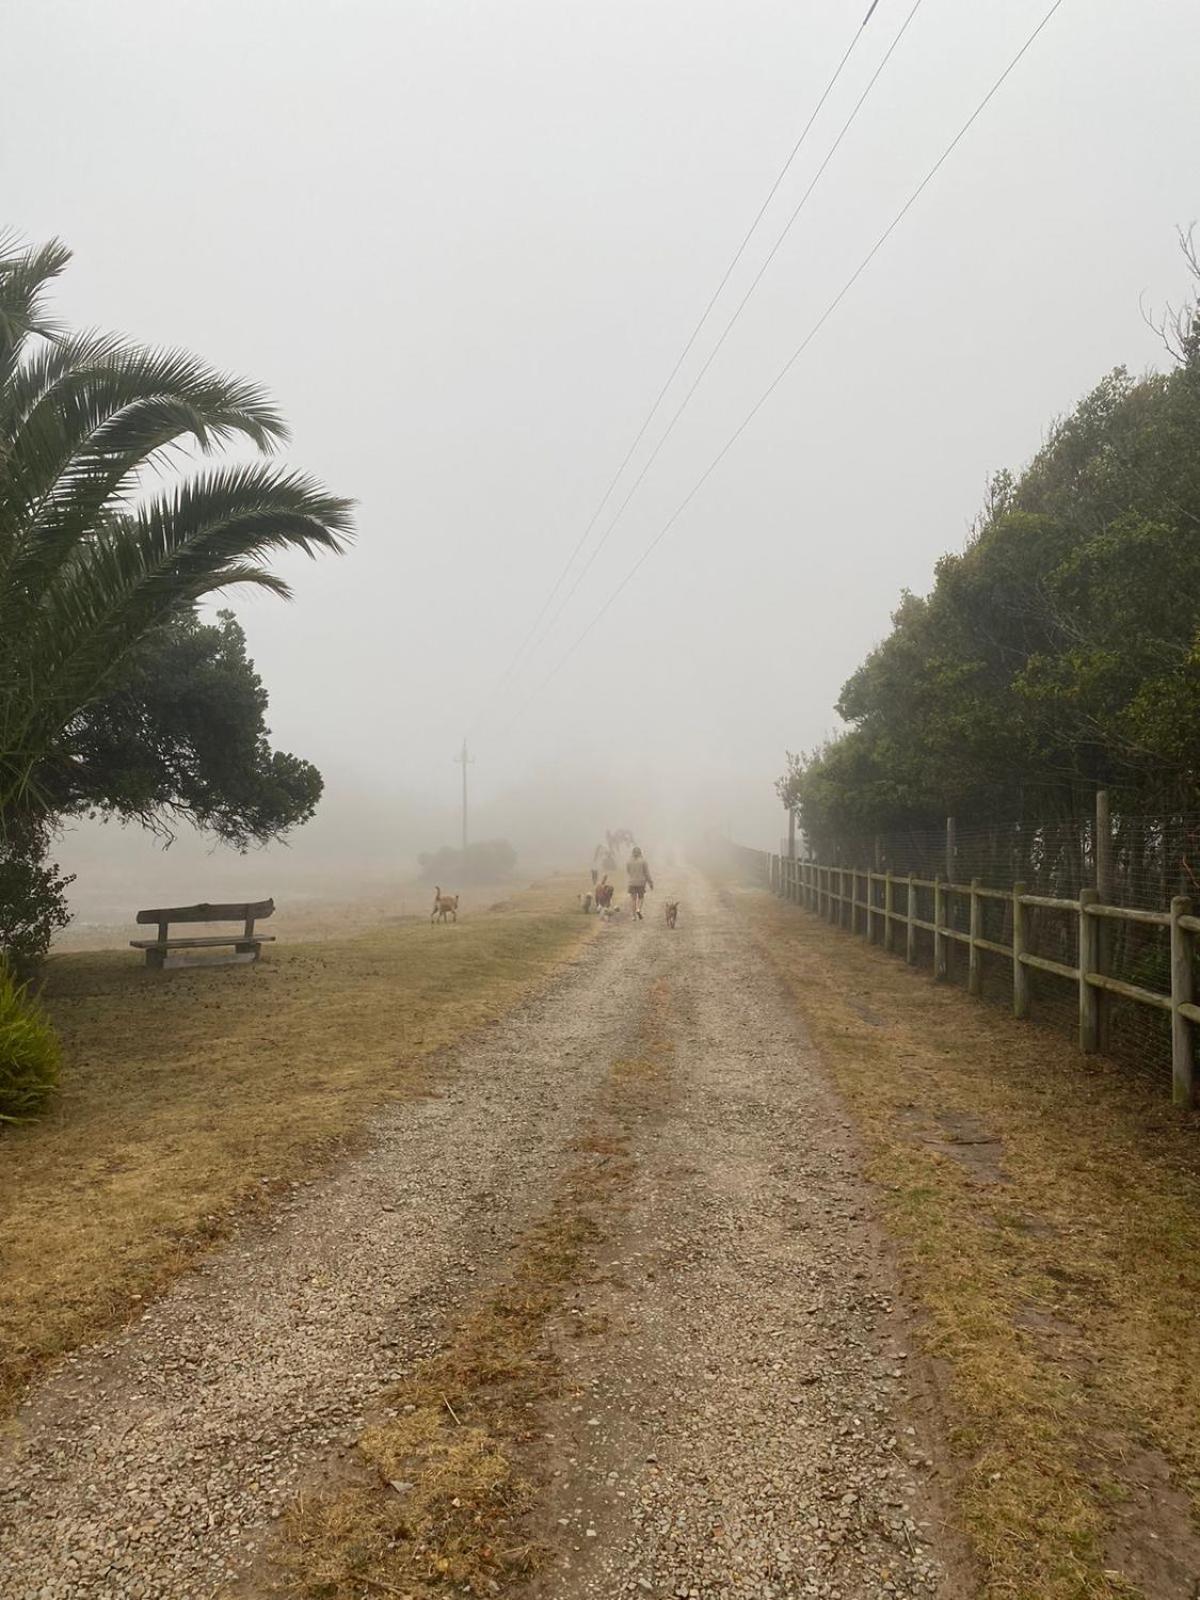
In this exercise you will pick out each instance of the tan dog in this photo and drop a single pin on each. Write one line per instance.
(672, 910)
(444, 905)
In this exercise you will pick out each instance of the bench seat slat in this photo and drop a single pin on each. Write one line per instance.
(191, 944)
(210, 913)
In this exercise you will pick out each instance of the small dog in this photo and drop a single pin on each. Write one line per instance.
(444, 905)
(585, 903)
(672, 910)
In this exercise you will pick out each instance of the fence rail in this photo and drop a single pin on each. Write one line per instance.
(884, 906)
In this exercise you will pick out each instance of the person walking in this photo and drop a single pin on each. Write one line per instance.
(638, 870)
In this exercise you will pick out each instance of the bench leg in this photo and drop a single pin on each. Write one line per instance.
(249, 947)
(156, 959)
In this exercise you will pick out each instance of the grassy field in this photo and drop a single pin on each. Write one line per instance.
(1046, 1211)
(191, 1096)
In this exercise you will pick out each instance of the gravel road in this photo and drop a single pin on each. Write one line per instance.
(747, 1426)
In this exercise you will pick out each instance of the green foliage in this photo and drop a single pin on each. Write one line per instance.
(488, 861)
(1058, 653)
(103, 560)
(33, 904)
(29, 1053)
(183, 736)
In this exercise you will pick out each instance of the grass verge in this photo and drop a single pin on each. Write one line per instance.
(189, 1097)
(1047, 1215)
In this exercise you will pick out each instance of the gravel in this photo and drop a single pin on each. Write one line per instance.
(744, 1428)
(151, 1465)
(750, 1430)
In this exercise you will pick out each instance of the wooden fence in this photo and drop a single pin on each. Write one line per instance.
(883, 907)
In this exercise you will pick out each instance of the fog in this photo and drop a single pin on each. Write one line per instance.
(464, 244)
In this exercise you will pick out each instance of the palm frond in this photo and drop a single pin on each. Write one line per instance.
(25, 276)
(88, 564)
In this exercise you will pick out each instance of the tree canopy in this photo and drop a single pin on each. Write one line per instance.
(113, 694)
(1058, 653)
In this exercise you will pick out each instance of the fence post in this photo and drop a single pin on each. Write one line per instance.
(889, 911)
(974, 954)
(1020, 970)
(847, 902)
(1089, 1007)
(910, 919)
(868, 915)
(1106, 934)
(1183, 1077)
(940, 965)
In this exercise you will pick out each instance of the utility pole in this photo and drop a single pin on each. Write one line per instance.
(465, 761)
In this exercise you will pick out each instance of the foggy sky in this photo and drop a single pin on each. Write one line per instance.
(463, 244)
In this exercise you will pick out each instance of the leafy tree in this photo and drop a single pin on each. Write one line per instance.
(183, 737)
(1059, 652)
(112, 695)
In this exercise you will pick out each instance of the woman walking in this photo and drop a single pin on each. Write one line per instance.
(640, 880)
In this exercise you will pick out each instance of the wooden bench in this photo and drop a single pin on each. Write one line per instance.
(247, 945)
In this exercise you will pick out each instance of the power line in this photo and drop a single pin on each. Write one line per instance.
(791, 361)
(683, 355)
(728, 328)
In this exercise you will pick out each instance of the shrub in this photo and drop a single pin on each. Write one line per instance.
(33, 903)
(29, 1053)
(489, 861)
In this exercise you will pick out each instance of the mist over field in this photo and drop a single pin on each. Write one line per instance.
(462, 246)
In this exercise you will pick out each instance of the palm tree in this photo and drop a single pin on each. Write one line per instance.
(96, 550)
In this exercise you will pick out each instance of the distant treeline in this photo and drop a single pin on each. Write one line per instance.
(1059, 653)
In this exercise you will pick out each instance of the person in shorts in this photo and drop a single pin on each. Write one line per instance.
(638, 871)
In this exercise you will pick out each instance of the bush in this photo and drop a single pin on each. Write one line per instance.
(33, 903)
(29, 1053)
(489, 861)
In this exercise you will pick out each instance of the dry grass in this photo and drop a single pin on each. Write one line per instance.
(190, 1095)
(1057, 1267)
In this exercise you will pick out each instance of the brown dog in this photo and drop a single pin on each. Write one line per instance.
(672, 910)
(444, 905)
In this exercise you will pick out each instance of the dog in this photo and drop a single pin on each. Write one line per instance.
(672, 910)
(585, 903)
(604, 894)
(444, 905)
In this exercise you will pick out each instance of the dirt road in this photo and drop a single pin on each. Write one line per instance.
(740, 1421)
